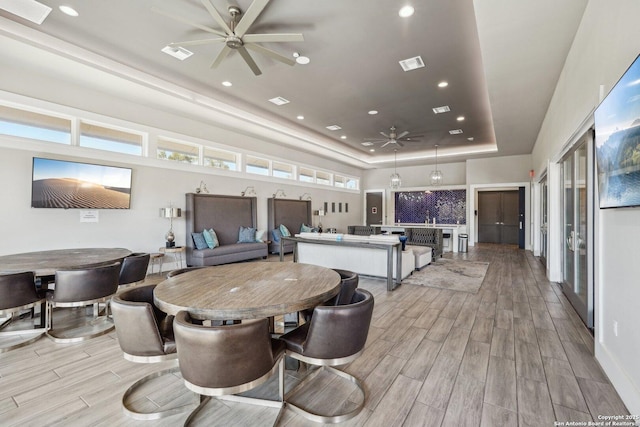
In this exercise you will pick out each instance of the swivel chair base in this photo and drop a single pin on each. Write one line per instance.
(132, 413)
(326, 419)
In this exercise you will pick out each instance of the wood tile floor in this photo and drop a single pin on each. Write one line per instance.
(514, 354)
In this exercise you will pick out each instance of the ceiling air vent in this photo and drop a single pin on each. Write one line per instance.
(455, 131)
(334, 127)
(30, 10)
(278, 100)
(440, 110)
(412, 63)
(177, 52)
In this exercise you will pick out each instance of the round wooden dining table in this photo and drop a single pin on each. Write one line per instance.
(45, 263)
(247, 290)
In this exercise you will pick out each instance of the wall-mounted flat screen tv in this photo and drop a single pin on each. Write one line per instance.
(617, 122)
(73, 185)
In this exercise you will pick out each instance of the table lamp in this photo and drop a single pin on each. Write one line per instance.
(170, 213)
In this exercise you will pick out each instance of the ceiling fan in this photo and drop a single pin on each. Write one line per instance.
(394, 138)
(234, 35)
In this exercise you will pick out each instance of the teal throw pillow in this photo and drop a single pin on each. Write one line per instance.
(275, 235)
(199, 241)
(211, 238)
(284, 231)
(247, 235)
(260, 236)
(305, 229)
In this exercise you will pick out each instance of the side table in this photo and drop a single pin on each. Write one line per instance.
(177, 253)
(156, 257)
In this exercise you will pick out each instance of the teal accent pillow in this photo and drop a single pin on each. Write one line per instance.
(275, 235)
(260, 236)
(199, 241)
(247, 235)
(305, 229)
(284, 231)
(211, 238)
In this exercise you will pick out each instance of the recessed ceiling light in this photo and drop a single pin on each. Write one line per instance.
(343, 137)
(372, 150)
(470, 138)
(412, 63)
(300, 117)
(373, 112)
(301, 59)
(440, 110)
(443, 84)
(68, 10)
(460, 118)
(278, 100)
(227, 83)
(367, 144)
(334, 127)
(455, 131)
(177, 52)
(406, 11)
(30, 10)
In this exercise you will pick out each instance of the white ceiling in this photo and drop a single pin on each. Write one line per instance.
(502, 59)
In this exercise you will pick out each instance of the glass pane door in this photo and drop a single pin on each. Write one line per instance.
(576, 185)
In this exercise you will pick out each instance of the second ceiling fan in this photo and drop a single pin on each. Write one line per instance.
(235, 37)
(394, 138)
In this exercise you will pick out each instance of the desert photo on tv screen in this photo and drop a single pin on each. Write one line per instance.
(73, 185)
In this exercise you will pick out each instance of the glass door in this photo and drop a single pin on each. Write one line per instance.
(575, 182)
(544, 226)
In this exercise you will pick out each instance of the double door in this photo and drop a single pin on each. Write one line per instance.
(499, 217)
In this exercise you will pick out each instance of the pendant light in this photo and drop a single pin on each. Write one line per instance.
(436, 175)
(396, 182)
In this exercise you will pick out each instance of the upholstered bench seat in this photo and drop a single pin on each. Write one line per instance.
(226, 254)
(422, 254)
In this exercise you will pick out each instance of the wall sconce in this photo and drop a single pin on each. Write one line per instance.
(170, 213)
(202, 188)
(279, 193)
(249, 191)
(305, 196)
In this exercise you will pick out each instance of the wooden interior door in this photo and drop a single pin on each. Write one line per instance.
(498, 217)
(373, 208)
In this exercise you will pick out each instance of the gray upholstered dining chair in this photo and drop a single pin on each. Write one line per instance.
(17, 294)
(225, 360)
(348, 284)
(145, 335)
(335, 336)
(81, 288)
(133, 270)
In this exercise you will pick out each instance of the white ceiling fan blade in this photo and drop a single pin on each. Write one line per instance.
(263, 38)
(221, 56)
(186, 21)
(400, 144)
(385, 135)
(197, 42)
(270, 53)
(250, 16)
(249, 60)
(216, 16)
(386, 143)
(406, 132)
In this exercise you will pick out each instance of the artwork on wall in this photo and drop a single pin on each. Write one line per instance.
(340, 207)
(346, 207)
(333, 207)
(446, 206)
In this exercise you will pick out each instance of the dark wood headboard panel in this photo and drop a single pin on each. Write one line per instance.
(225, 214)
(291, 213)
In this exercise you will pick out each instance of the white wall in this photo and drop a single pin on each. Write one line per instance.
(606, 43)
(140, 228)
(499, 169)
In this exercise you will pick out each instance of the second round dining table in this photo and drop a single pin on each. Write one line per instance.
(247, 290)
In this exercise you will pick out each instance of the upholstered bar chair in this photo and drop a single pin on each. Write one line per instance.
(17, 294)
(223, 361)
(145, 335)
(335, 336)
(134, 269)
(81, 288)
